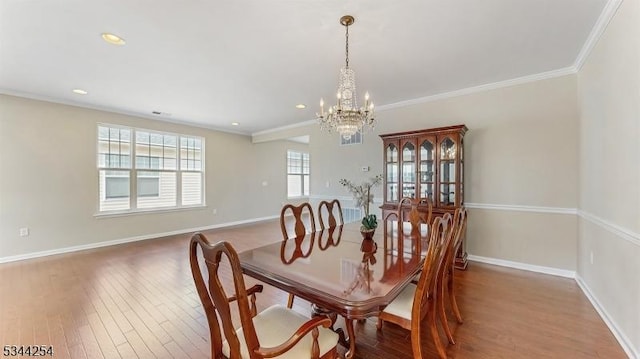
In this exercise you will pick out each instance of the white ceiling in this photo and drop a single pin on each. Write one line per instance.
(210, 63)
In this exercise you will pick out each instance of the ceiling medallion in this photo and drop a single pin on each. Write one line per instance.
(345, 117)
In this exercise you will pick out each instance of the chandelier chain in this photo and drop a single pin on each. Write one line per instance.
(346, 47)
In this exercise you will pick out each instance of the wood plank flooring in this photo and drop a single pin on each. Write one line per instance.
(138, 300)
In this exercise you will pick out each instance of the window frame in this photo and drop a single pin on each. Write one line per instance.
(133, 173)
(302, 174)
(355, 139)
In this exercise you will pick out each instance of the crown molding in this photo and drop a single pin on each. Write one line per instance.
(445, 95)
(481, 88)
(601, 24)
(8, 92)
(282, 128)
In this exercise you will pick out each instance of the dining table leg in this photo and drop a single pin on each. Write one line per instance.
(351, 340)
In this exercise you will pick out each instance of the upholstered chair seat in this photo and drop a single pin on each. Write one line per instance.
(275, 325)
(403, 303)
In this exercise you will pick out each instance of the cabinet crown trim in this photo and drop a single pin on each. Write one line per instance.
(462, 129)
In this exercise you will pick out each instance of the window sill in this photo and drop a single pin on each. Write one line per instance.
(146, 211)
(298, 197)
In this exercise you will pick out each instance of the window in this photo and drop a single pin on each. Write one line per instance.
(297, 174)
(354, 139)
(153, 180)
(117, 186)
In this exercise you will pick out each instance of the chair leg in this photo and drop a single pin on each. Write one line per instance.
(379, 324)
(433, 328)
(442, 314)
(452, 298)
(416, 344)
(290, 301)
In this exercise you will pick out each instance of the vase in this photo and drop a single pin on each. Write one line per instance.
(368, 244)
(367, 233)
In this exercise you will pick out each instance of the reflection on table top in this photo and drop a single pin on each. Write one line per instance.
(333, 268)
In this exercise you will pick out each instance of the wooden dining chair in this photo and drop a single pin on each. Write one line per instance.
(459, 228)
(304, 223)
(275, 332)
(418, 302)
(332, 210)
(303, 220)
(445, 273)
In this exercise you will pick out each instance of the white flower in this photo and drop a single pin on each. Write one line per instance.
(362, 194)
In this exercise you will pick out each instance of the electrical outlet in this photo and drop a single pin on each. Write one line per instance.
(215, 211)
(24, 232)
(365, 168)
(591, 257)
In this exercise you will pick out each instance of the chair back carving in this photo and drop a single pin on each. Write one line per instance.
(215, 300)
(303, 220)
(333, 211)
(458, 226)
(415, 217)
(460, 223)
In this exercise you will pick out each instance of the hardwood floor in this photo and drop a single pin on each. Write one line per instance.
(138, 300)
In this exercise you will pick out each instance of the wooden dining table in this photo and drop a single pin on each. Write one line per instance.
(339, 272)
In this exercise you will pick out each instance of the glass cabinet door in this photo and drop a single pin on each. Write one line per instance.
(409, 170)
(427, 174)
(392, 173)
(448, 172)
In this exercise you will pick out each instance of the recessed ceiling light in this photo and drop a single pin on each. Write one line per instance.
(235, 124)
(112, 39)
(79, 91)
(301, 106)
(160, 113)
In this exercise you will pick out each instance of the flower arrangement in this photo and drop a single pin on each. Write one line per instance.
(363, 196)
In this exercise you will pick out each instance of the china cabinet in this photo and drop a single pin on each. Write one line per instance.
(426, 164)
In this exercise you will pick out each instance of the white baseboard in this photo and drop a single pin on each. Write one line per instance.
(622, 339)
(625, 343)
(128, 240)
(524, 266)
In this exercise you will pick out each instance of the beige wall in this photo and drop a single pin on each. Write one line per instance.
(609, 102)
(522, 153)
(49, 181)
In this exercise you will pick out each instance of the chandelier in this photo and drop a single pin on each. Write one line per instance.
(345, 117)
